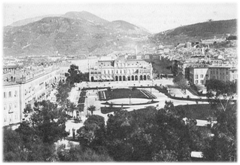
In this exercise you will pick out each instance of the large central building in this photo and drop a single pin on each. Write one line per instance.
(120, 70)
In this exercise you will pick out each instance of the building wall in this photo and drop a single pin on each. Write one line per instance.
(17, 96)
(219, 73)
(121, 71)
(11, 101)
(199, 75)
(233, 74)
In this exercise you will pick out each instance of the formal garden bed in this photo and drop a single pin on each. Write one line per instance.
(124, 93)
(106, 110)
(82, 97)
(129, 104)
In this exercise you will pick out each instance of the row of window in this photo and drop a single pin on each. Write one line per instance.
(216, 72)
(201, 76)
(10, 118)
(9, 94)
(123, 71)
(201, 81)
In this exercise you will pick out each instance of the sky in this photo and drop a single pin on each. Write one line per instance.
(155, 16)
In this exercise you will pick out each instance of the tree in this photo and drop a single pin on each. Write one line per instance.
(149, 134)
(72, 75)
(24, 145)
(72, 107)
(223, 146)
(92, 134)
(180, 81)
(77, 154)
(165, 156)
(76, 76)
(28, 109)
(92, 108)
(174, 67)
(12, 146)
(63, 90)
(49, 122)
(36, 138)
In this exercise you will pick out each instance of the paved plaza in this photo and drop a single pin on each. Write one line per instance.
(92, 98)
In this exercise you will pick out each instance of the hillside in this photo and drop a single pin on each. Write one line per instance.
(83, 15)
(195, 32)
(72, 33)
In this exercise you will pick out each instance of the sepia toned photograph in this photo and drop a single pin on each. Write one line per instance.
(137, 81)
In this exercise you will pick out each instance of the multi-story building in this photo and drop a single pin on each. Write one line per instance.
(25, 87)
(200, 74)
(220, 72)
(121, 70)
(233, 74)
(11, 103)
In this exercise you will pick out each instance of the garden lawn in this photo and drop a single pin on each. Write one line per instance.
(106, 110)
(124, 93)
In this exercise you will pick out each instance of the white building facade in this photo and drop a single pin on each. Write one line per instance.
(16, 95)
(121, 70)
(199, 75)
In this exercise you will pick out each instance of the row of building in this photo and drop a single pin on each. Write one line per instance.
(199, 74)
(24, 86)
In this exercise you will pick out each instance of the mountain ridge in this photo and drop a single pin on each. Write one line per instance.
(64, 35)
(196, 32)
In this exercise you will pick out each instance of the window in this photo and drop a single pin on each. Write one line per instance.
(15, 93)
(4, 93)
(196, 76)
(201, 75)
(202, 81)
(10, 94)
(196, 81)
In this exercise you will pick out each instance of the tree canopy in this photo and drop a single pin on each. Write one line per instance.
(221, 87)
(74, 75)
(146, 135)
(77, 154)
(223, 146)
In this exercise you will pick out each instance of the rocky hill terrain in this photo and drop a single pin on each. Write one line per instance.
(72, 33)
(195, 32)
(81, 33)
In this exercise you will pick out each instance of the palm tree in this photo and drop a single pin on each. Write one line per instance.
(92, 108)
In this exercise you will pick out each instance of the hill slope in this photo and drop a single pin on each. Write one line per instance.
(73, 33)
(195, 32)
(83, 15)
